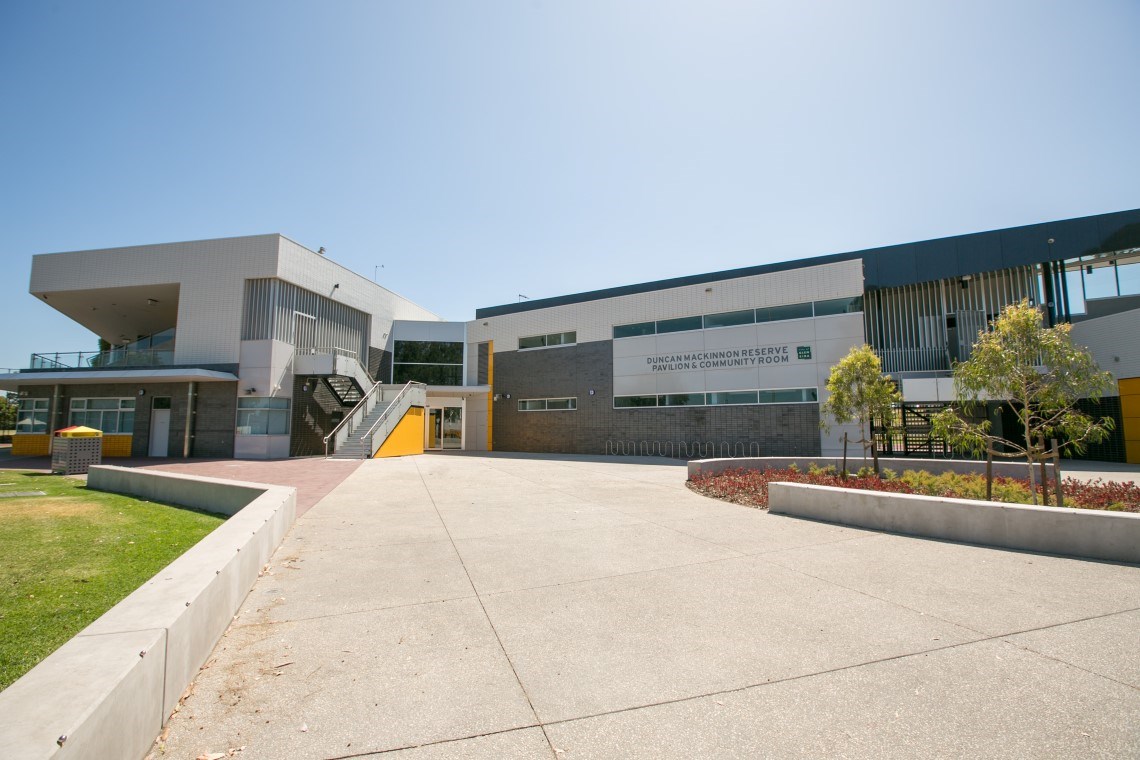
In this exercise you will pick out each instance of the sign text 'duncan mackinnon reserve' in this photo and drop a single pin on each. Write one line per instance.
(733, 357)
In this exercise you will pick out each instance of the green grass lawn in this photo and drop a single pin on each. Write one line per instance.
(72, 554)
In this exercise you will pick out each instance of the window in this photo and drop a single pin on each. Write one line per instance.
(427, 361)
(32, 415)
(631, 331)
(548, 404)
(732, 397)
(838, 306)
(549, 341)
(778, 313)
(262, 416)
(680, 324)
(730, 318)
(805, 310)
(111, 415)
(720, 398)
(681, 399)
(632, 402)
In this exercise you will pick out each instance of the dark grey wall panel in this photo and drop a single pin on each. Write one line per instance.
(575, 370)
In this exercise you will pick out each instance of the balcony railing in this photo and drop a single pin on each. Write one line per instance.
(113, 359)
(914, 359)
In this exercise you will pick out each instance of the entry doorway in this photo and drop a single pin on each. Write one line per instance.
(159, 427)
(444, 428)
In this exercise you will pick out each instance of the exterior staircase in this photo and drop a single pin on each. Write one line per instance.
(353, 447)
(346, 390)
(364, 430)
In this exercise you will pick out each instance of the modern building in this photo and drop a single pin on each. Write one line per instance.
(257, 347)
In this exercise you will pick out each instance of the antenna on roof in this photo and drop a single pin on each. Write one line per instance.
(521, 297)
(321, 250)
(376, 270)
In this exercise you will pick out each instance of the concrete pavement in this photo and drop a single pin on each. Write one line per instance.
(506, 606)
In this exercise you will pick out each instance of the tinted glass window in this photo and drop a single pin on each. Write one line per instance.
(732, 397)
(629, 331)
(838, 306)
(626, 402)
(678, 325)
(681, 399)
(730, 318)
(777, 313)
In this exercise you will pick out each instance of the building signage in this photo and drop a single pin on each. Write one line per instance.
(724, 359)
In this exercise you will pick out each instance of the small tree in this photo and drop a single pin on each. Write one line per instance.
(1041, 374)
(858, 391)
(7, 412)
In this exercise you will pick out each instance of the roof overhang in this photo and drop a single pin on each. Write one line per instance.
(458, 390)
(11, 381)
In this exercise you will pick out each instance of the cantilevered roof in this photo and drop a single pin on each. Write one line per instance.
(11, 381)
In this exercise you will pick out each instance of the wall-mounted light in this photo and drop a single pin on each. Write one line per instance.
(336, 286)
(708, 290)
(142, 391)
(506, 395)
(496, 397)
(591, 391)
(250, 391)
(1088, 269)
(151, 301)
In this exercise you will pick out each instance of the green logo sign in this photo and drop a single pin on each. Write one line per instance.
(803, 352)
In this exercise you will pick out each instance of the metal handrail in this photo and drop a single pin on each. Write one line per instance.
(408, 387)
(335, 350)
(348, 417)
(113, 358)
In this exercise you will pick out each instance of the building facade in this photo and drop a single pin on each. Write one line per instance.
(257, 347)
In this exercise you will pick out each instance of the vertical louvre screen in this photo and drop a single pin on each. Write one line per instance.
(282, 311)
(925, 326)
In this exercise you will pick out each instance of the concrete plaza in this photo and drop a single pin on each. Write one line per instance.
(506, 606)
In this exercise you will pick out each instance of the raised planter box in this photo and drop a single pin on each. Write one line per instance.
(1084, 533)
(898, 464)
(110, 689)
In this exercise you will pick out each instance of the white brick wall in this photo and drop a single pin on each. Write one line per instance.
(1113, 342)
(594, 320)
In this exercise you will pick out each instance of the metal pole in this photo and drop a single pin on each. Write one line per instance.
(1057, 473)
(190, 413)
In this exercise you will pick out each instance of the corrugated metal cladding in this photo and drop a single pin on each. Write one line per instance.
(280, 310)
(922, 327)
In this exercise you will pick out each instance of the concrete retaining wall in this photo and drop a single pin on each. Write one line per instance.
(1083, 533)
(110, 689)
(964, 466)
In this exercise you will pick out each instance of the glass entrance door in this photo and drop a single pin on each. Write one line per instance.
(444, 428)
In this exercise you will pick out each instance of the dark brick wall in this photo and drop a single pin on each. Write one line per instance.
(777, 429)
(315, 413)
(380, 364)
(213, 428)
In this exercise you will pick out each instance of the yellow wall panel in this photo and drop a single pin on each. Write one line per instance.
(117, 445)
(1132, 452)
(1130, 406)
(407, 438)
(31, 445)
(1129, 386)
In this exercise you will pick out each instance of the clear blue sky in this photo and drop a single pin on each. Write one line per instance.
(479, 150)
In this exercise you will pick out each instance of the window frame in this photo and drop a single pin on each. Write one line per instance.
(275, 408)
(573, 407)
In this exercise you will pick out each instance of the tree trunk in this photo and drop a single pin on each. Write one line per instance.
(989, 474)
(1057, 474)
(1044, 473)
(874, 448)
(1029, 458)
(844, 473)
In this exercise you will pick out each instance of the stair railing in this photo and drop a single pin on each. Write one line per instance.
(344, 429)
(412, 394)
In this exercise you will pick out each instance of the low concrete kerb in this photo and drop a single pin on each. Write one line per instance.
(1084, 533)
(1005, 469)
(108, 691)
